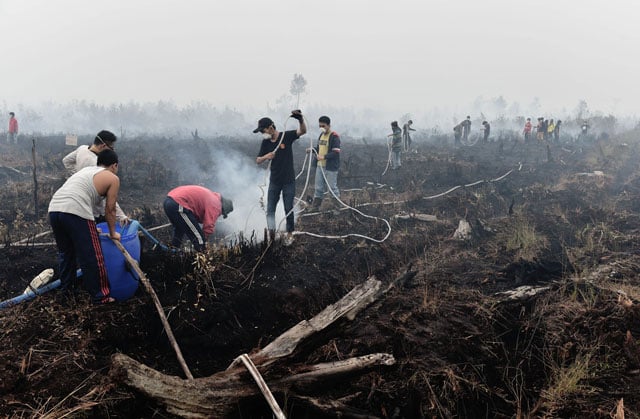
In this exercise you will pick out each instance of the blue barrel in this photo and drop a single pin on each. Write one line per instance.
(122, 280)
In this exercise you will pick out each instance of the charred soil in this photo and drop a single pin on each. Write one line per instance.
(562, 220)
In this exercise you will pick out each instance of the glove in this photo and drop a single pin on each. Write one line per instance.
(297, 114)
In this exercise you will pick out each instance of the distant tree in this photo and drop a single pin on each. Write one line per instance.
(582, 110)
(298, 86)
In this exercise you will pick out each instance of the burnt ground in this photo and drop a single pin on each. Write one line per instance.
(461, 348)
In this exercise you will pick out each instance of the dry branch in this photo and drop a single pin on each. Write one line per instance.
(216, 394)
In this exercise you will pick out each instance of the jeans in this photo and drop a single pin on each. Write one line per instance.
(12, 137)
(395, 159)
(273, 196)
(321, 184)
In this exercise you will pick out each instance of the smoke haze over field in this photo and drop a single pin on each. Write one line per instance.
(384, 58)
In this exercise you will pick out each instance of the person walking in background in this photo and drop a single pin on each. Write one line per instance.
(550, 129)
(396, 145)
(87, 156)
(466, 128)
(190, 206)
(528, 126)
(556, 131)
(457, 135)
(487, 130)
(276, 146)
(327, 160)
(406, 135)
(74, 228)
(540, 129)
(12, 134)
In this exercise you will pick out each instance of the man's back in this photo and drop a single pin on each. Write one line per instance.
(80, 158)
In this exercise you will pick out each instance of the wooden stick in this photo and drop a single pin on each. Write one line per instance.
(264, 389)
(35, 179)
(163, 318)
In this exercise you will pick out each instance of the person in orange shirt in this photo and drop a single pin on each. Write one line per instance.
(12, 135)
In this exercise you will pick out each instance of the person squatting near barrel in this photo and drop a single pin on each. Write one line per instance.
(74, 228)
(85, 156)
(277, 147)
(189, 206)
(327, 160)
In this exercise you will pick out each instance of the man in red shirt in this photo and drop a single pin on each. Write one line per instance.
(189, 206)
(12, 135)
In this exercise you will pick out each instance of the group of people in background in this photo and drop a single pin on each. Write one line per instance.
(546, 129)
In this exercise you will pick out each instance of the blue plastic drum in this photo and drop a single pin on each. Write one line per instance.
(122, 280)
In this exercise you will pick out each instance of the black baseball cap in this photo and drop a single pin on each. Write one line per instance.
(262, 124)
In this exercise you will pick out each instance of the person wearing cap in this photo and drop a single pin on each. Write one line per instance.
(12, 134)
(276, 147)
(327, 161)
(188, 206)
(86, 156)
(74, 228)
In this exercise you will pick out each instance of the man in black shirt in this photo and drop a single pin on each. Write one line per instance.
(277, 147)
(487, 131)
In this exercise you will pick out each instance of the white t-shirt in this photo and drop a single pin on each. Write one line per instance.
(80, 158)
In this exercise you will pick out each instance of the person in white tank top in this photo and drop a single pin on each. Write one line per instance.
(74, 228)
(86, 156)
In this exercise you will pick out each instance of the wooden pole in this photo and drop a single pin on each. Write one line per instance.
(35, 179)
(163, 318)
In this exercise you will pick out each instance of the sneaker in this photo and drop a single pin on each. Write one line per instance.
(288, 240)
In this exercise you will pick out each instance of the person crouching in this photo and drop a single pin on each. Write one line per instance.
(189, 206)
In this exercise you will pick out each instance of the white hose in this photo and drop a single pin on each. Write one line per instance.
(347, 207)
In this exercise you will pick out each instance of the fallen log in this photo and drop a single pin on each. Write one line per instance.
(416, 216)
(215, 395)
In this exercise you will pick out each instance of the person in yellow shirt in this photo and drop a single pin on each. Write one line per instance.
(550, 129)
(327, 161)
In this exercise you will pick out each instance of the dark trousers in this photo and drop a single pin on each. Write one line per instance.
(79, 246)
(184, 222)
(273, 196)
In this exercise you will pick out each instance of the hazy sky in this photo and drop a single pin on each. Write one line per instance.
(400, 54)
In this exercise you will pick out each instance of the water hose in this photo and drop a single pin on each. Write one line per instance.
(30, 295)
(134, 226)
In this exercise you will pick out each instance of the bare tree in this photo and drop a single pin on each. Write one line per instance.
(298, 86)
